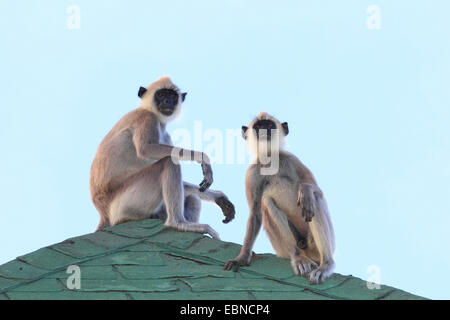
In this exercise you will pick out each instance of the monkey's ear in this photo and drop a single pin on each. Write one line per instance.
(141, 92)
(183, 96)
(244, 131)
(285, 128)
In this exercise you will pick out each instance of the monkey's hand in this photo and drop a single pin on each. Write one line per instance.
(307, 201)
(240, 260)
(227, 208)
(207, 173)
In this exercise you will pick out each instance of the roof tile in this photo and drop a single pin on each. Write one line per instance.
(43, 285)
(123, 285)
(181, 269)
(333, 281)
(356, 289)
(136, 229)
(177, 239)
(78, 248)
(143, 247)
(215, 249)
(88, 273)
(128, 258)
(290, 295)
(400, 295)
(47, 258)
(16, 269)
(5, 283)
(238, 284)
(67, 295)
(108, 240)
(270, 265)
(189, 295)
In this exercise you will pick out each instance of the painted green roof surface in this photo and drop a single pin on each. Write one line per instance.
(146, 260)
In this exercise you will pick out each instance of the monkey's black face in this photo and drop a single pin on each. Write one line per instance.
(267, 126)
(166, 101)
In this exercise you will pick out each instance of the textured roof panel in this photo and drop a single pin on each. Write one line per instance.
(145, 260)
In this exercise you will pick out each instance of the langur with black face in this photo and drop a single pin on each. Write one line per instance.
(283, 195)
(136, 172)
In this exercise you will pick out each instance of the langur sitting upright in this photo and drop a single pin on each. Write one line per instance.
(283, 194)
(136, 175)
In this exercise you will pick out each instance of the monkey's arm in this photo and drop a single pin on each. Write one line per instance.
(146, 139)
(308, 195)
(245, 256)
(159, 151)
(253, 226)
(308, 191)
(215, 196)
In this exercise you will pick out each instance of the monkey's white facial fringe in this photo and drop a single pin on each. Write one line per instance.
(148, 103)
(266, 152)
(262, 145)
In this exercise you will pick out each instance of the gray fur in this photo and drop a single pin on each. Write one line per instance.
(136, 173)
(288, 199)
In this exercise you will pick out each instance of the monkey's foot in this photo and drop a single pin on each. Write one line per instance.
(234, 264)
(213, 233)
(227, 208)
(194, 227)
(320, 274)
(302, 265)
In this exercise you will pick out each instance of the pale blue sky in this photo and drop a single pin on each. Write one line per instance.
(368, 112)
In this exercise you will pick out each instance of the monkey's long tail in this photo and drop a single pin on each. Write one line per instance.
(322, 232)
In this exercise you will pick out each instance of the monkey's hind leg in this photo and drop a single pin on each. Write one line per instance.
(173, 197)
(283, 241)
(192, 207)
(151, 189)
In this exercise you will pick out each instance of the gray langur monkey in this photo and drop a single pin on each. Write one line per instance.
(288, 202)
(136, 172)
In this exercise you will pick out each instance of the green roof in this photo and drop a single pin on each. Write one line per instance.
(146, 260)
